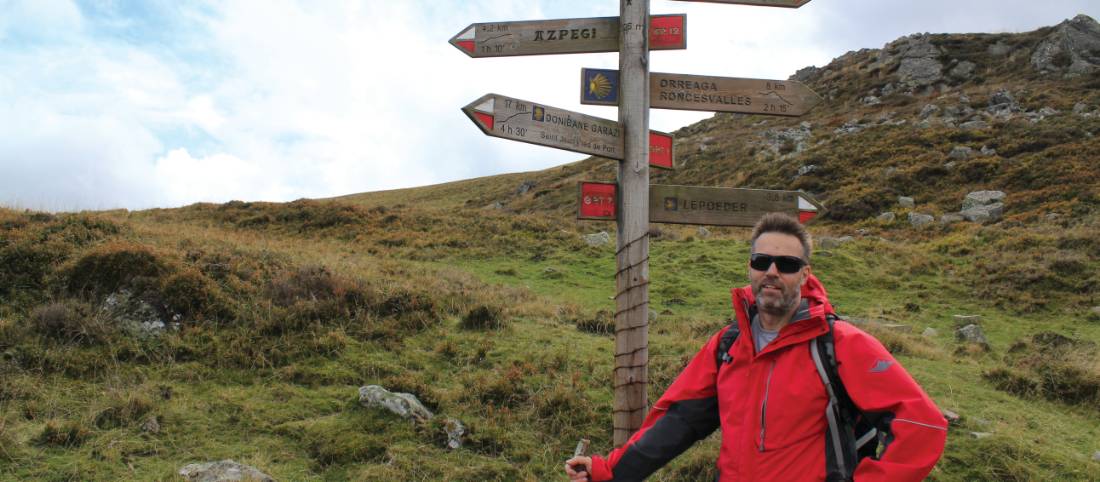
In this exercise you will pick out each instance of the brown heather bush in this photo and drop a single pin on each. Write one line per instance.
(122, 408)
(484, 318)
(70, 321)
(116, 265)
(195, 296)
(1051, 366)
(66, 433)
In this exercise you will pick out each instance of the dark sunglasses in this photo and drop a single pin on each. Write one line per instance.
(785, 264)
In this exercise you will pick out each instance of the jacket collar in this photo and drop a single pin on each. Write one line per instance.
(806, 325)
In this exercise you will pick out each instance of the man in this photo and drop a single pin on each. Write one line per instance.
(768, 396)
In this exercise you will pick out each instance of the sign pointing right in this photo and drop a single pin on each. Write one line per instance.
(706, 93)
(723, 206)
(759, 3)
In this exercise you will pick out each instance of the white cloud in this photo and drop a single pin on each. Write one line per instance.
(281, 99)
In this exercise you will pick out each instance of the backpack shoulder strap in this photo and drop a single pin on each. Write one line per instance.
(722, 353)
(840, 413)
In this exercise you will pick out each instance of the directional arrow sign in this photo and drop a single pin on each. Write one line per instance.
(760, 3)
(596, 200)
(564, 36)
(524, 121)
(726, 206)
(699, 92)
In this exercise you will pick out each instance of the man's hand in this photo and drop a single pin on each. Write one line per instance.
(578, 468)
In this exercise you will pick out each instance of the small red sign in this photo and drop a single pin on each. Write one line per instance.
(667, 31)
(660, 150)
(805, 216)
(597, 200)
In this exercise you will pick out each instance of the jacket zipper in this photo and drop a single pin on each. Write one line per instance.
(764, 406)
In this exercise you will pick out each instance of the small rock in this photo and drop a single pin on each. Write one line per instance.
(950, 165)
(524, 187)
(951, 218)
(982, 198)
(981, 435)
(830, 243)
(930, 332)
(999, 49)
(455, 430)
(906, 201)
(988, 151)
(919, 219)
(886, 217)
(1080, 108)
(1095, 310)
(1001, 97)
(596, 240)
(974, 125)
(929, 111)
(223, 471)
(960, 153)
(972, 334)
(404, 404)
(807, 169)
(1047, 111)
(702, 232)
(1096, 456)
(870, 100)
(952, 417)
(652, 316)
(151, 425)
(983, 214)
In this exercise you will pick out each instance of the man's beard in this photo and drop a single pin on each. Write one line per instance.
(786, 302)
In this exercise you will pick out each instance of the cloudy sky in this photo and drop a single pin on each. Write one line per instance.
(161, 103)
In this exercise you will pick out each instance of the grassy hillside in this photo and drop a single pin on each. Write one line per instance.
(489, 306)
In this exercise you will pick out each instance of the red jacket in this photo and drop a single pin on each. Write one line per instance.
(771, 406)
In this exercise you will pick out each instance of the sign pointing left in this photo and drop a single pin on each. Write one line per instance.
(564, 36)
(524, 121)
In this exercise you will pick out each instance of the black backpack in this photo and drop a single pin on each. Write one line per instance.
(851, 434)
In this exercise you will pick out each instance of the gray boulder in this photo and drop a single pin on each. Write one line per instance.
(596, 240)
(702, 232)
(972, 334)
(929, 111)
(930, 332)
(886, 217)
(1073, 48)
(988, 151)
(807, 169)
(906, 202)
(405, 405)
(960, 153)
(223, 471)
(963, 70)
(984, 214)
(999, 49)
(951, 218)
(951, 417)
(918, 220)
(870, 100)
(830, 242)
(982, 198)
(920, 71)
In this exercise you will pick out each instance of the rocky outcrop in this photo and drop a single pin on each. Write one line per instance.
(1073, 48)
(598, 239)
(919, 64)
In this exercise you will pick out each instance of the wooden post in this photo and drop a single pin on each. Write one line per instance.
(632, 276)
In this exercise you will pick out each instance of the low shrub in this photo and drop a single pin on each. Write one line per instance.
(116, 265)
(600, 323)
(123, 409)
(484, 318)
(66, 433)
(70, 321)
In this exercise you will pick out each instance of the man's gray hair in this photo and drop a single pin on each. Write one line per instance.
(785, 224)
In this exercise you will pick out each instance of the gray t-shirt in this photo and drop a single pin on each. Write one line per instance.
(760, 336)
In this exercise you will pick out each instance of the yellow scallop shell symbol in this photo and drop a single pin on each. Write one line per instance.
(599, 86)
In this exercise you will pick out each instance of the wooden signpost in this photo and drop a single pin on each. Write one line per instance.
(525, 121)
(565, 36)
(714, 206)
(723, 206)
(706, 93)
(632, 202)
(758, 3)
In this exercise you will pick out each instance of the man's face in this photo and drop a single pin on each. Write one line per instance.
(777, 293)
